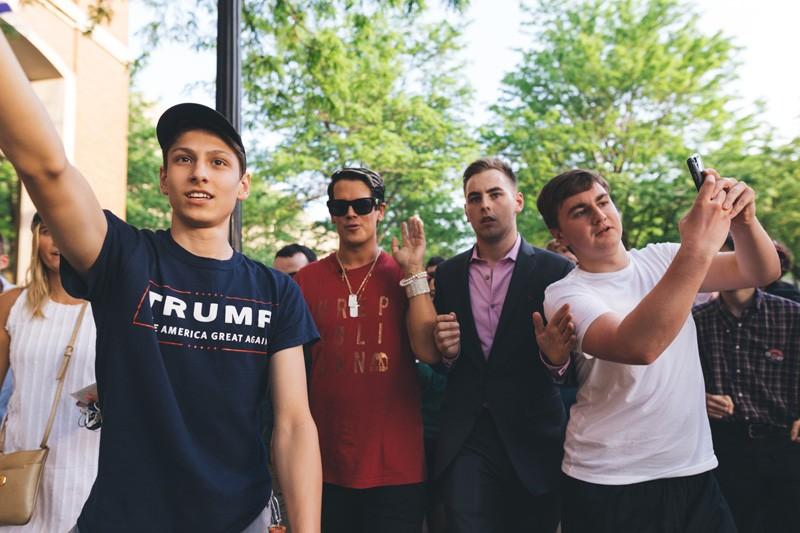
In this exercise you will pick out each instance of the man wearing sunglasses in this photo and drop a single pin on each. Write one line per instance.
(364, 392)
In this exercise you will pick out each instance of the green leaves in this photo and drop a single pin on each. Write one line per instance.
(330, 83)
(146, 206)
(366, 86)
(626, 87)
(9, 200)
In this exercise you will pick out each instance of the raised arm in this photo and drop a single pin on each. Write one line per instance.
(642, 335)
(755, 262)
(421, 315)
(295, 441)
(61, 194)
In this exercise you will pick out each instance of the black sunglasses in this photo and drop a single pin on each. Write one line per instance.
(361, 206)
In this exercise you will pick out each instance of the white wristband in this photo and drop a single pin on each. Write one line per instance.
(416, 287)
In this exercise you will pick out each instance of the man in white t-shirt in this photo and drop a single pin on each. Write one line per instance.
(638, 452)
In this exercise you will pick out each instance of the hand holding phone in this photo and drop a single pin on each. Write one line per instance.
(695, 165)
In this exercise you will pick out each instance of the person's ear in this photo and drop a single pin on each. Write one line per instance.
(244, 186)
(162, 181)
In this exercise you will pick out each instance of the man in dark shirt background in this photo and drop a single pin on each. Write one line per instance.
(749, 344)
(292, 258)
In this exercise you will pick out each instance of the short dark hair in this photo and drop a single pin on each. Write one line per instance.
(785, 256)
(290, 250)
(436, 260)
(567, 184)
(370, 178)
(489, 163)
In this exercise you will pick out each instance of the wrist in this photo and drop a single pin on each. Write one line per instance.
(696, 252)
(412, 269)
(741, 224)
(416, 284)
(449, 359)
(553, 361)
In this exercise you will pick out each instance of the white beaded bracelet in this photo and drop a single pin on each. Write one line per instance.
(416, 287)
(412, 278)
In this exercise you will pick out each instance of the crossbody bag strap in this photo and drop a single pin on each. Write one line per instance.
(3, 433)
(62, 372)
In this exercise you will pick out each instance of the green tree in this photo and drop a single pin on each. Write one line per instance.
(9, 209)
(773, 170)
(378, 91)
(628, 88)
(145, 205)
(330, 83)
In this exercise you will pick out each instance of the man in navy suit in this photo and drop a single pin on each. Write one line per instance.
(502, 418)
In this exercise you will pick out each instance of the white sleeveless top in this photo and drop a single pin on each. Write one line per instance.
(37, 347)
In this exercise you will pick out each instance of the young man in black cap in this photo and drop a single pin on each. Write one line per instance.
(189, 331)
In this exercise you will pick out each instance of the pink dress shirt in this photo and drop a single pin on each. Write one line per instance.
(487, 290)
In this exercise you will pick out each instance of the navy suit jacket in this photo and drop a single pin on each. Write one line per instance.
(513, 383)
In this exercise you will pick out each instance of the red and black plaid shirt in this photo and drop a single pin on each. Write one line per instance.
(755, 358)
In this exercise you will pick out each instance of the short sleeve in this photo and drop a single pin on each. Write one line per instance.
(293, 325)
(120, 240)
(659, 254)
(584, 306)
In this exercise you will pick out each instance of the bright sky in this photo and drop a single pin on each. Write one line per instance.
(766, 30)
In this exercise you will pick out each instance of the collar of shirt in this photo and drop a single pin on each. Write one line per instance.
(510, 255)
(753, 308)
(488, 287)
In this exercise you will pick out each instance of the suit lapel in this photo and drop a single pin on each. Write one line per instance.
(523, 268)
(469, 333)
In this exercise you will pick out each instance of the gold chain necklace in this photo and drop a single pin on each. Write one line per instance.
(352, 297)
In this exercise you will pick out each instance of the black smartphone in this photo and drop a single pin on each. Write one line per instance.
(695, 165)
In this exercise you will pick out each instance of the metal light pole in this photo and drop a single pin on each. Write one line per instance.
(229, 88)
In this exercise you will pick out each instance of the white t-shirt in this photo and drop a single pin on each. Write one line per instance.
(632, 423)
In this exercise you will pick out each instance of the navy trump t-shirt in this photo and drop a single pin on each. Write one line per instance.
(183, 345)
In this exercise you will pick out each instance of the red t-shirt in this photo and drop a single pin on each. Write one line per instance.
(364, 390)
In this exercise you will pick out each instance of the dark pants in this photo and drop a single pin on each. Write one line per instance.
(483, 493)
(391, 509)
(435, 517)
(691, 504)
(760, 477)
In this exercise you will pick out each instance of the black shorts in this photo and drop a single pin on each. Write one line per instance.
(691, 504)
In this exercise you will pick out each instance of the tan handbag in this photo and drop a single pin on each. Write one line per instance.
(21, 472)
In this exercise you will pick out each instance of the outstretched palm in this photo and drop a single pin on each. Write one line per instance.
(412, 252)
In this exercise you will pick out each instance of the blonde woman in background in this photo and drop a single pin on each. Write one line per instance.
(38, 320)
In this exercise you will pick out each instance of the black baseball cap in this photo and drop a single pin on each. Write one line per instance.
(190, 116)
